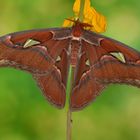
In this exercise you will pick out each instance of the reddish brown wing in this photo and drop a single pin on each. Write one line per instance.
(103, 68)
(46, 59)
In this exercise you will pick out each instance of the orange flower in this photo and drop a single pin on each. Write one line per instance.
(76, 7)
(90, 16)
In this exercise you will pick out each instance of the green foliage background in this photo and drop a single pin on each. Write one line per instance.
(26, 115)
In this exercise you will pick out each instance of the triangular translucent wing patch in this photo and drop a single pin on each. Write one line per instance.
(30, 42)
(119, 56)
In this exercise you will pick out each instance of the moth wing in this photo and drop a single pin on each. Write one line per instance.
(104, 67)
(37, 51)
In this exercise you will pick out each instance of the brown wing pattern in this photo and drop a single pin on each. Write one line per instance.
(115, 71)
(48, 58)
(40, 59)
(86, 87)
(104, 68)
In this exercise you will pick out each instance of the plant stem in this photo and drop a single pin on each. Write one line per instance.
(69, 112)
(70, 84)
(69, 124)
(81, 10)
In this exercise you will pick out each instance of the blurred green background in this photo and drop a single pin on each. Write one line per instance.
(26, 115)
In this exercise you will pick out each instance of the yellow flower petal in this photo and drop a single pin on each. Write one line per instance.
(76, 7)
(91, 16)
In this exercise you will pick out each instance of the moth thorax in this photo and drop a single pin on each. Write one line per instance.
(75, 51)
(77, 30)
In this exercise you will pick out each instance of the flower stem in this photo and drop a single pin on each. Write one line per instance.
(69, 124)
(81, 10)
(69, 112)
